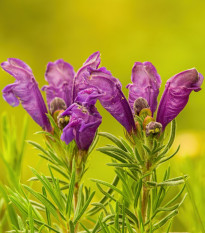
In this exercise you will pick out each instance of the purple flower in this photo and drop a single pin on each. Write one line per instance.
(84, 119)
(25, 90)
(59, 92)
(59, 75)
(146, 83)
(176, 94)
(88, 97)
(113, 99)
(80, 80)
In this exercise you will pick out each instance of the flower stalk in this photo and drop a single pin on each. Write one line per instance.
(145, 195)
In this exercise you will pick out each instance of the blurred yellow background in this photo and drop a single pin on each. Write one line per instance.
(170, 34)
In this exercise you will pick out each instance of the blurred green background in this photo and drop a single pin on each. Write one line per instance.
(170, 34)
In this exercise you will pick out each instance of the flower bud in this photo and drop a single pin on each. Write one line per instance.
(139, 104)
(147, 120)
(62, 121)
(153, 128)
(145, 112)
(57, 104)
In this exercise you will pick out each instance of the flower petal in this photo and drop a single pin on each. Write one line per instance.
(176, 94)
(88, 97)
(146, 83)
(80, 80)
(67, 135)
(83, 123)
(59, 75)
(112, 98)
(25, 89)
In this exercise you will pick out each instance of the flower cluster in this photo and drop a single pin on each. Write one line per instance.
(71, 97)
(70, 120)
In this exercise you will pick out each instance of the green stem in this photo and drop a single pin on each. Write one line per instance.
(81, 158)
(145, 195)
(75, 202)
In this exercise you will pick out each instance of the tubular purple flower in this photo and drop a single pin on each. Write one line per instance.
(84, 120)
(113, 99)
(176, 94)
(92, 62)
(59, 75)
(146, 83)
(25, 91)
(88, 97)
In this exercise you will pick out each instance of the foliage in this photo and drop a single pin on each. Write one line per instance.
(136, 200)
(142, 197)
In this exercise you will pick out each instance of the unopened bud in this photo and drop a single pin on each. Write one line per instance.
(153, 128)
(146, 121)
(62, 121)
(57, 104)
(139, 104)
(145, 112)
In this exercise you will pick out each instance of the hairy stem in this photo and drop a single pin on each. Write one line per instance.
(75, 202)
(80, 161)
(145, 195)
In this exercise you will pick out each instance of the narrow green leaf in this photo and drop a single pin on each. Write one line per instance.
(131, 215)
(47, 211)
(49, 179)
(177, 178)
(169, 227)
(101, 206)
(72, 228)
(147, 149)
(137, 156)
(176, 197)
(30, 216)
(113, 155)
(117, 151)
(141, 223)
(158, 149)
(41, 229)
(134, 166)
(48, 187)
(94, 143)
(20, 222)
(139, 187)
(84, 208)
(123, 177)
(117, 216)
(123, 218)
(53, 123)
(164, 184)
(59, 170)
(164, 220)
(71, 190)
(172, 135)
(46, 225)
(113, 139)
(106, 194)
(110, 186)
(155, 145)
(104, 199)
(169, 157)
(52, 209)
(127, 146)
(38, 146)
(130, 230)
(85, 228)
